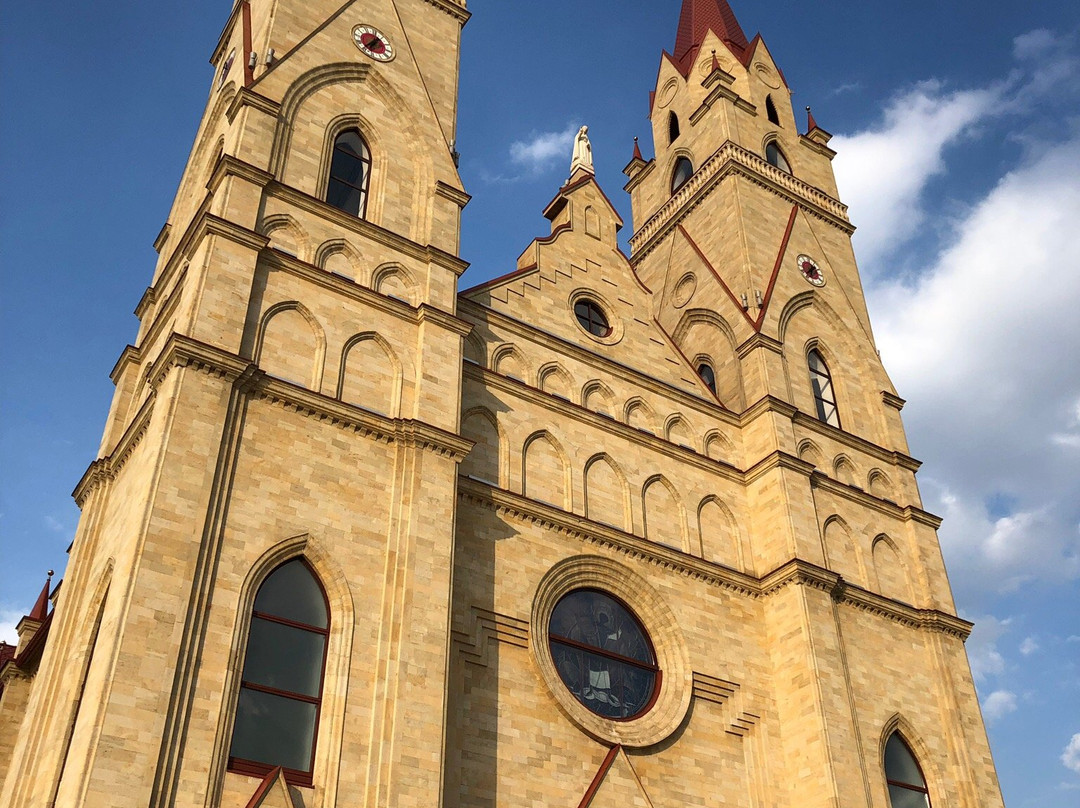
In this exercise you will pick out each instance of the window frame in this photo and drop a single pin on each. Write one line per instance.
(770, 110)
(256, 768)
(681, 160)
(674, 130)
(819, 400)
(366, 161)
(923, 789)
(586, 322)
(585, 648)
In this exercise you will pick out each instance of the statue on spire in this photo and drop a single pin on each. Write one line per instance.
(582, 153)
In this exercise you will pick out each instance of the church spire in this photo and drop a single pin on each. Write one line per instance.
(698, 17)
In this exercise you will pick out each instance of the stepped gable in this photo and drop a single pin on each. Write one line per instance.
(581, 257)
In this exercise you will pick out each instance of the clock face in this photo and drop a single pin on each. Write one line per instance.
(373, 42)
(226, 67)
(810, 270)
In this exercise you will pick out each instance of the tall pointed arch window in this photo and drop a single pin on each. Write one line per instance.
(705, 371)
(350, 173)
(277, 712)
(775, 157)
(907, 786)
(673, 127)
(821, 381)
(770, 111)
(684, 169)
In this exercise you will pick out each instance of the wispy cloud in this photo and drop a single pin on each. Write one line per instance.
(1071, 756)
(999, 704)
(1029, 646)
(536, 154)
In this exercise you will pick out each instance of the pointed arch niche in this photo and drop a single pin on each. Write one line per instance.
(546, 471)
(890, 571)
(485, 462)
(607, 494)
(665, 521)
(291, 345)
(720, 540)
(370, 375)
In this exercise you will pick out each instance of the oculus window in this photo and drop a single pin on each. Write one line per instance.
(603, 655)
(824, 397)
(277, 711)
(907, 786)
(350, 172)
(592, 318)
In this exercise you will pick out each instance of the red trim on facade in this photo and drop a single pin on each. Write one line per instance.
(686, 359)
(776, 267)
(716, 275)
(264, 788)
(594, 786)
(249, 71)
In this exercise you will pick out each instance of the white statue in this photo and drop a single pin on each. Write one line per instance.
(582, 152)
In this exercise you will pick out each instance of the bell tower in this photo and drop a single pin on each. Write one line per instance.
(287, 412)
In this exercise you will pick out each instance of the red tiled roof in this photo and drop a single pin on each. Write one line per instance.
(41, 607)
(698, 17)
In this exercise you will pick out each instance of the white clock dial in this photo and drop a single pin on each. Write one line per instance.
(810, 270)
(373, 42)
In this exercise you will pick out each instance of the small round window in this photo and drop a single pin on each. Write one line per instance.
(592, 318)
(603, 655)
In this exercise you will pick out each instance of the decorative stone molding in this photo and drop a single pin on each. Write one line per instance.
(659, 621)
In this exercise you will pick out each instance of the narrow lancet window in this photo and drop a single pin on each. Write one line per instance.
(907, 786)
(824, 397)
(707, 376)
(775, 157)
(770, 110)
(684, 169)
(673, 127)
(350, 171)
(277, 712)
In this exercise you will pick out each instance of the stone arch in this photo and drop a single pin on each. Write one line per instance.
(507, 360)
(286, 235)
(474, 349)
(639, 415)
(370, 374)
(791, 308)
(878, 484)
(677, 430)
(291, 344)
(924, 756)
(663, 515)
(554, 379)
(489, 459)
(720, 538)
(842, 553)
(598, 397)
(607, 492)
(718, 446)
(393, 280)
(545, 471)
(890, 571)
(341, 258)
(809, 452)
(342, 609)
(844, 470)
(704, 333)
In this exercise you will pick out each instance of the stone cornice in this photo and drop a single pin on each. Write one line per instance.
(229, 166)
(778, 460)
(130, 355)
(455, 195)
(727, 160)
(367, 229)
(471, 310)
(568, 409)
(759, 340)
(246, 97)
(815, 146)
(893, 400)
(424, 312)
(909, 513)
(640, 176)
(792, 573)
(106, 468)
(813, 424)
(453, 8)
(721, 90)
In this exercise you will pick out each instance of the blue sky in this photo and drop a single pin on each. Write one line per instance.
(958, 127)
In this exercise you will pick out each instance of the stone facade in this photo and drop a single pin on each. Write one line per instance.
(309, 383)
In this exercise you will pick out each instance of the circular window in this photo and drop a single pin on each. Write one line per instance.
(603, 655)
(592, 318)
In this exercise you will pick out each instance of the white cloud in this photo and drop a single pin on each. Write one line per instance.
(9, 618)
(999, 704)
(1029, 646)
(986, 660)
(544, 149)
(1071, 756)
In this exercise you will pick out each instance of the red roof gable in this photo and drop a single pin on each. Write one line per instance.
(698, 17)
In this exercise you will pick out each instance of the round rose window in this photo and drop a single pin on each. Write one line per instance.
(603, 655)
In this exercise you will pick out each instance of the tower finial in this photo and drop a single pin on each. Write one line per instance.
(637, 151)
(811, 124)
(41, 605)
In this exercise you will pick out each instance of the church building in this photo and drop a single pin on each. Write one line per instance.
(610, 530)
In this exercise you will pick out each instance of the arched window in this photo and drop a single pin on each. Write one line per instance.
(672, 127)
(684, 169)
(350, 170)
(775, 157)
(907, 786)
(277, 712)
(770, 110)
(824, 397)
(705, 371)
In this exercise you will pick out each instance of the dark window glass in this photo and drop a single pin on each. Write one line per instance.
(775, 157)
(824, 397)
(707, 376)
(603, 655)
(350, 170)
(907, 786)
(673, 127)
(770, 110)
(281, 686)
(591, 317)
(684, 169)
